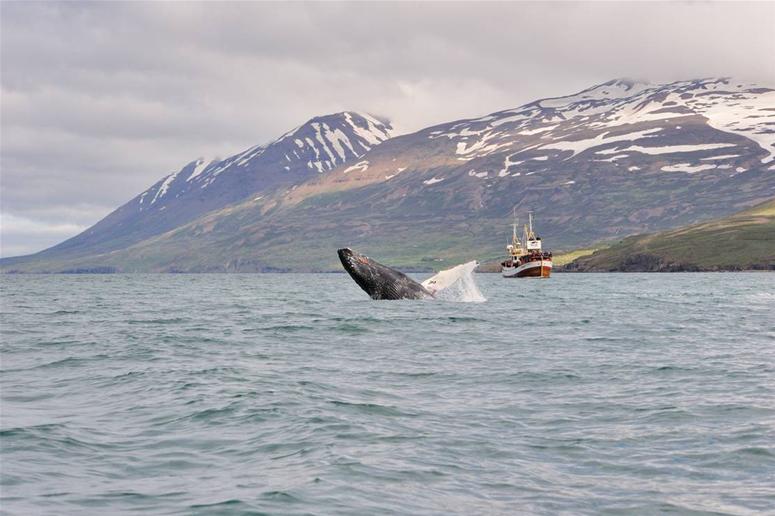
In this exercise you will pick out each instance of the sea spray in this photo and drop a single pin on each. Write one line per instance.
(456, 284)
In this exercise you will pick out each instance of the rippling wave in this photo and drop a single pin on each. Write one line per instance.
(296, 394)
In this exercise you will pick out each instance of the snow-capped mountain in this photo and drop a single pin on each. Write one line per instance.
(203, 185)
(711, 126)
(619, 158)
(318, 146)
(604, 114)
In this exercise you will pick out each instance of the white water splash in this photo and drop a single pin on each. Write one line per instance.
(456, 284)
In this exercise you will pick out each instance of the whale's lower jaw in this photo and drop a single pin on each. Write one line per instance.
(379, 281)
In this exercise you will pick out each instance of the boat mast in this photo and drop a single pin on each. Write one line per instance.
(514, 227)
(525, 235)
(515, 249)
(531, 241)
(528, 229)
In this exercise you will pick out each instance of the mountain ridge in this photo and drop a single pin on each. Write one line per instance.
(204, 185)
(618, 158)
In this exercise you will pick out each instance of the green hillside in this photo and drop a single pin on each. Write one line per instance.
(743, 241)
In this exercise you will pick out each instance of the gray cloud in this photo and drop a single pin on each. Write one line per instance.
(100, 100)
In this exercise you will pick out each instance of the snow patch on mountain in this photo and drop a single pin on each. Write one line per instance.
(507, 164)
(250, 154)
(375, 131)
(537, 131)
(164, 187)
(199, 166)
(613, 159)
(746, 118)
(687, 167)
(339, 141)
(615, 89)
(725, 156)
(361, 166)
(669, 149)
(579, 146)
(480, 146)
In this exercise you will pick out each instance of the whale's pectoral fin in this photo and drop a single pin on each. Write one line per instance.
(448, 277)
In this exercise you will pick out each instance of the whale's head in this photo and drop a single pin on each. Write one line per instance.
(348, 257)
(379, 281)
(358, 266)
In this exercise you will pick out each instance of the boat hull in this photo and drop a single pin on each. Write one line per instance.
(534, 269)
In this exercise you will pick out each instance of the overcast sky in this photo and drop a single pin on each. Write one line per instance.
(100, 100)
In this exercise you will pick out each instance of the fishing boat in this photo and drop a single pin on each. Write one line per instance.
(526, 257)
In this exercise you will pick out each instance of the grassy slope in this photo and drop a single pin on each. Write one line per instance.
(410, 226)
(565, 258)
(745, 240)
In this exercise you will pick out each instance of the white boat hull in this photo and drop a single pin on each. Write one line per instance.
(533, 269)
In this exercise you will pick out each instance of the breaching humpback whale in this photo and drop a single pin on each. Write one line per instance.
(379, 281)
(382, 282)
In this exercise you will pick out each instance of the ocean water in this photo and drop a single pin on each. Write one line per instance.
(296, 394)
